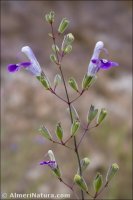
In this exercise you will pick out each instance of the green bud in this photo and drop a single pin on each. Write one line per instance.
(84, 164)
(101, 116)
(53, 58)
(72, 82)
(57, 80)
(74, 128)
(45, 132)
(80, 182)
(88, 81)
(68, 49)
(50, 17)
(55, 48)
(45, 82)
(97, 183)
(91, 114)
(112, 171)
(63, 25)
(68, 39)
(59, 131)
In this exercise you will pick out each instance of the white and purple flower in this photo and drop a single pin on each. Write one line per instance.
(52, 162)
(32, 66)
(96, 63)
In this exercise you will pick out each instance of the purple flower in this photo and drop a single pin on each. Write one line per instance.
(52, 162)
(96, 64)
(32, 66)
(49, 163)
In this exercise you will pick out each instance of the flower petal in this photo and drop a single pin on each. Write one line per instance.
(13, 67)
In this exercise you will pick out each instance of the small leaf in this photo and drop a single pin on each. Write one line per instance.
(112, 171)
(68, 49)
(80, 182)
(50, 17)
(74, 128)
(59, 131)
(84, 164)
(97, 183)
(101, 116)
(88, 81)
(63, 25)
(72, 82)
(55, 48)
(45, 132)
(45, 82)
(53, 58)
(67, 41)
(75, 115)
(57, 80)
(91, 114)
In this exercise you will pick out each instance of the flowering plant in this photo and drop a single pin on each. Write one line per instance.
(96, 64)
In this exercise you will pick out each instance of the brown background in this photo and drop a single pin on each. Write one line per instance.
(26, 105)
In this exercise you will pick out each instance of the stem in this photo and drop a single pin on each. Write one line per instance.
(69, 104)
(83, 135)
(53, 92)
(78, 96)
(62, 144)
(75, 143)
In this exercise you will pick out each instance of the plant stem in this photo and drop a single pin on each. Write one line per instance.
(83, 135)
(68, 102)
(96, 195)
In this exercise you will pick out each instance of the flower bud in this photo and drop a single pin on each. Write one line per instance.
(74, 128)
(80, 182)
(50, 17)
(68, 39)
(68, 49)
(88, 81)
(63, 25)
(101, 116)
(91, 114)
(97, 183)
(55, 48)
(112, 171)
(53, 58)
(72, 82)
(84, 164)
(54, 167)
(59, 131)
(45, 132)
(57, 80)
(44, 82)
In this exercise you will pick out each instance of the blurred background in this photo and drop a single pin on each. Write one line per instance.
(26, 105)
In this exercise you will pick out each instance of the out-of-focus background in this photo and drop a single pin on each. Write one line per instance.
(26, 105)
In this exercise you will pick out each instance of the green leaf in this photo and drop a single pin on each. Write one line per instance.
(101, 116)
(88, 81)
(74, 128)
(72, 82)
(80, 182)
(68, 49)
(59, 131)
(84, 164)
(53, 58)
(50, 17)
(75, 115)
(63, 25)
(112, 171)
(55, 48)
(91, 114)
(45, 82)
(45, 132)
(57, 80)
(97, 183)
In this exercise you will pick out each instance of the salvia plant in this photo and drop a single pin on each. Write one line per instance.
(95, 65)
